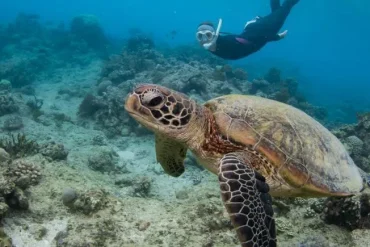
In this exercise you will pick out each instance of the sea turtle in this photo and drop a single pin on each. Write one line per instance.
(258, 147)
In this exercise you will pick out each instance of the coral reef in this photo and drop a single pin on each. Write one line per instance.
(360, 237)
(7, 104)
(19, 146)
(102, 160)
(227, 73)
(140, 41)
(22, 70)
(25, 25)
(54, 151)
(191, 53)
(108, 112)
(24, 174)
(29, 48)
(286, 91)
(3, 207)
(17, 199)
(90, 202)
(7, 186)
(15, 177)
(35, 104)
(354, 145)
(356, 138)
(273, 76)
(13, 123)
(89, 105)
(88, 29)
(127, 65)
(103, 86)
(352, 212)
(98, 140)
(140, 185)
(5, 86)
(5, 240)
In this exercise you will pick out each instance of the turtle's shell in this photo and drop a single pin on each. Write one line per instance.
(298, 151)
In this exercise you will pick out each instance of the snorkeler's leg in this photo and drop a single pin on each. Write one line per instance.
(289, 3)
(274, 4)
(267, 28)
(272, 23)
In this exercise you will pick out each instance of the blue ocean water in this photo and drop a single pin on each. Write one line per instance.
(327, 46)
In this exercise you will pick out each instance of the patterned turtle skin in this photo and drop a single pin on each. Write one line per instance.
(258, 148)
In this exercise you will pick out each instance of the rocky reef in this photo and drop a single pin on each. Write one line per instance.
(7, 101)
(16, 176)
(29, 49)
(356, 138)
(87, 30)
(352, 213)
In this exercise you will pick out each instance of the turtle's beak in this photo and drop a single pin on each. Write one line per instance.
(132, 104)
(138, 112)
(135, 109)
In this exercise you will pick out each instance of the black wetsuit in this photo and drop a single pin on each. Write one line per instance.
(255, 35)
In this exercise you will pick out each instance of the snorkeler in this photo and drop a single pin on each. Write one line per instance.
(257, 33)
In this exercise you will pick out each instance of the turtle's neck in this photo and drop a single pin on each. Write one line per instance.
(206, 142)
(198, 128)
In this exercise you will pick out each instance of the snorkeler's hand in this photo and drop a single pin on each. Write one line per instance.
(283, 34)
(210, 46)
(207, 45)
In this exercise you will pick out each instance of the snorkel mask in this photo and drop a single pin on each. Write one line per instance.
(206, 33)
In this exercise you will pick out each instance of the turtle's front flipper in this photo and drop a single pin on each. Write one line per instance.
(245, 195)
(170, 154)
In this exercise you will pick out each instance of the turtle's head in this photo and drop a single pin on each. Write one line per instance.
(161, 110)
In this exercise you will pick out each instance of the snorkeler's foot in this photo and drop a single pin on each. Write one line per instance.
(291, 3)
(274, 4)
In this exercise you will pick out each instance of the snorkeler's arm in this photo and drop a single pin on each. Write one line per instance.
(212, 45)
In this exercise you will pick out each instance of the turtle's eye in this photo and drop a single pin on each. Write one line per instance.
(155, 101)
(152, 98)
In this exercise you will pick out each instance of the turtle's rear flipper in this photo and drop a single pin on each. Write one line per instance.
(170, 154)
(245, 195)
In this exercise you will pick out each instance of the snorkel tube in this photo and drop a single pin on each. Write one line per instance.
(210, 45)
(218, 27)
